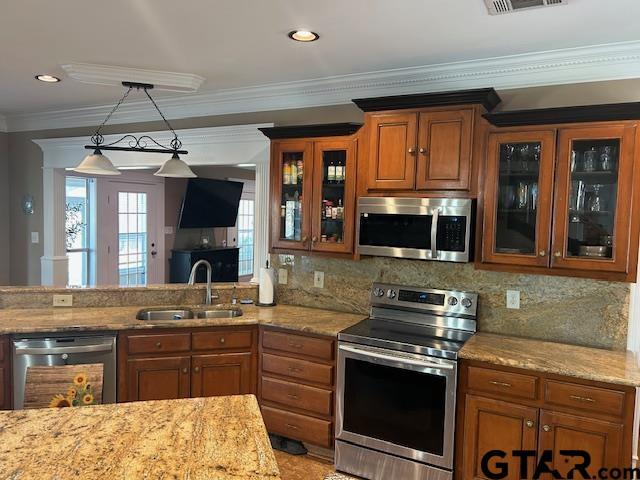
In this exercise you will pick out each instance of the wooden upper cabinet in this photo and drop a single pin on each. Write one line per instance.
(162, 378)
(594, 197)
(222, 374)
(392, 151)
(603, 440)
(444, 150)
(518, 191)
(496, 425)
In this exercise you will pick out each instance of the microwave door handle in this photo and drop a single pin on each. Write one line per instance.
(434, 232)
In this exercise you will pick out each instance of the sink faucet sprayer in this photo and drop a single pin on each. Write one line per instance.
(192, 279)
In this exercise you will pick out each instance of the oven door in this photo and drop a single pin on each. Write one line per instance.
(396, 402)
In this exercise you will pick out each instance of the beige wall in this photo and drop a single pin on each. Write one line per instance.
(25, 170)
(5, 223)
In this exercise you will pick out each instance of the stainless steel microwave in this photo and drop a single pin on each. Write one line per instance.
(418, 228)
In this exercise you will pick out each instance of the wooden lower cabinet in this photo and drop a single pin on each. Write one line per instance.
(158, 378)
(508, 409)
(496, 425)
(5, 374)
(222, 374)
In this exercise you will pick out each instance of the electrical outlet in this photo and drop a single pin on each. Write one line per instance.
(283, 275)
(513, 299)
(318, 279)
(35, 237)
(63, 300)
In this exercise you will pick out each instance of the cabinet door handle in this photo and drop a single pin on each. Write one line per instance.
(305, 239)
(292, 396)
(295, 345)
(293, 427)
(578, 398)
(557, 254)
(546, 428)
(314, 239)
(412, 150)
(196, 369)
(423, 151)
(158, 345)
(185, 370)
(500, 384)
(529, 423)
(294, 370)
(542, 253)
(222, 340)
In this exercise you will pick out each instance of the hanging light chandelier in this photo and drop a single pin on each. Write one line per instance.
(98, 164)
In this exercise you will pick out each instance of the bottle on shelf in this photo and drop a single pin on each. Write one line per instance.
(297, 214)
(331, 172)
(339, 172)
(340, 210)
(300, 165)
(286, 173)
(293, 173)
(328, 206)
(334, 213)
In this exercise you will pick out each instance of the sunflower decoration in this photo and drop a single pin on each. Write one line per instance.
(79, 394)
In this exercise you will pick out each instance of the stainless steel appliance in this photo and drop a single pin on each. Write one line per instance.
(51, 350)
(419, 228)
(396, 389)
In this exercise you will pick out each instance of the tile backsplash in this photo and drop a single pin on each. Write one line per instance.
(570, 310)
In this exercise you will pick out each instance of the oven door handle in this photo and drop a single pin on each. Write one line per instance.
(410, 361)
(105, 347)
(434, 232)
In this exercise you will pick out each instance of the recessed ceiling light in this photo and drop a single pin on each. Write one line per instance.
(47, 78)
(303, 36)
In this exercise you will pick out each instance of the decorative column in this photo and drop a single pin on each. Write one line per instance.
(261, 217)
(55, 263)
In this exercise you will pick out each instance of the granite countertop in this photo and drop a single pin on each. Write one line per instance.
(616, 367)
(202, 438)
(302, 319)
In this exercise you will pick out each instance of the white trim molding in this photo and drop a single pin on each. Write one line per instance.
(112, 75)
(206, 146)
(574, 65)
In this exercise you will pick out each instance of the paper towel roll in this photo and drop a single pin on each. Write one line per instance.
(266, 286)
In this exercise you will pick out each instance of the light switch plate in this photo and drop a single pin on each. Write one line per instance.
(35, 237)
(63, 300)
(318, 279)
(168, 230)
(513, 299)
(283, 276)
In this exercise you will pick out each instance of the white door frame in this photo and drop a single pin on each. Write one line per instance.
(207, 146)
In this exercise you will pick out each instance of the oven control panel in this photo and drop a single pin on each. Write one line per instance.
(446, 302)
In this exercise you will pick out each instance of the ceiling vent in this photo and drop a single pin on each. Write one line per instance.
(498, 7)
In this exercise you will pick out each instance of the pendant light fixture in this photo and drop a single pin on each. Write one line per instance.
(98, 164)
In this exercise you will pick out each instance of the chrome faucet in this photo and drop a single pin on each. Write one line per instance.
(192, 279)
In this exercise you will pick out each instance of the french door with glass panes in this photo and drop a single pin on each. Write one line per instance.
(130, 244)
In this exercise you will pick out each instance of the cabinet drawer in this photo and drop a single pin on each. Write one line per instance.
(308, 346)
(1, 350)
(298, 427)
(312, 399)
(222, 340)
(503, 383)
(177, 342)
(299, 369)
(584, 397)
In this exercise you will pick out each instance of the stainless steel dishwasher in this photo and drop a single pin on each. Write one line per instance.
(53, 349)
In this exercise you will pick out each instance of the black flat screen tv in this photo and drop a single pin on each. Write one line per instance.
(210, 203)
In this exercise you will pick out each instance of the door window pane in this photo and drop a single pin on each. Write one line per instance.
(593, 196)
(132, 238)
(79, 229)
(245, 237)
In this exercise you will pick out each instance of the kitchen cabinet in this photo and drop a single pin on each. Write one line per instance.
(514, 409)
(560, 198)
(180, 363)
(297, 385)
(313, 183)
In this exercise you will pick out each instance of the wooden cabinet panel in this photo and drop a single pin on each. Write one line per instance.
(444, 150)
(299, 427)
(299, 344)
(496, 425)
(222, 374)
(584, 397)
(4, 387)
(159, 343)
(298, 369)
(158, 378)
(222, 340)
(392, 151)
(2, 349)
(562, 431)
(502, 383)
(304, 397)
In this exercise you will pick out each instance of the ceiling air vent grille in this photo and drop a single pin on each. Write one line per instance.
(498, 7)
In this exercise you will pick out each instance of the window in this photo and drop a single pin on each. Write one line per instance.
(132, 238)
(245, 237)
(79, 230)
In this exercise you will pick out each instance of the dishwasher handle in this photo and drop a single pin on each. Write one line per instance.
(103, 347)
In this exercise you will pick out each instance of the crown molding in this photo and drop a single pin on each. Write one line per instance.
(3, 124)
(112, 75)
(557, 67)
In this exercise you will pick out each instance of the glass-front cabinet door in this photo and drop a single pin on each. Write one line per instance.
(593, 198)
(292, 187)
(334, 176)
(518, 188)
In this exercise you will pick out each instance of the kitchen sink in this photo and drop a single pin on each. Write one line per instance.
(152, 314)
(220, 313)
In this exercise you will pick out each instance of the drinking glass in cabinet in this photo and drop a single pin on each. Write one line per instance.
(291, 201)
(519, 167)
(594, 183)
(334, 163)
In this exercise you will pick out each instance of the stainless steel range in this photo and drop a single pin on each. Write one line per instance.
(397, 376)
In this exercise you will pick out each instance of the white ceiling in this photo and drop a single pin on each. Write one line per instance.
(242, 43)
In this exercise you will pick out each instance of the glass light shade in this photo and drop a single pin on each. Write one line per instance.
(97, 164)
(175, 168)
